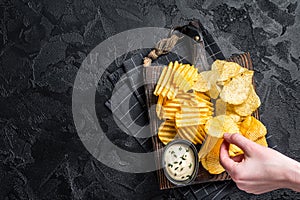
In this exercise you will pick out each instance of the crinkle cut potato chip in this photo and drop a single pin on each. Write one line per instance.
(237, 90)
(191, 133)
(212, 164)
(252, 128)
(167, 131)
(183, 120)
(176, 77)
(217, 126)
(169, 109)
(159, 86)
(165, 87)
(250, 105)
(159, 106)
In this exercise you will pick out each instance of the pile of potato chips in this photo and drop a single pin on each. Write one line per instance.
(195, 105)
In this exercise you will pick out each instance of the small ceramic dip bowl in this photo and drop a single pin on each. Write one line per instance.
(180, 162)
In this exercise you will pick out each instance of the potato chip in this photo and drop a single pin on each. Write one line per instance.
(208, 145)
(202, 110)
(250, 105)
(199, 133)
(169, 112)
(229, 70)
(163, 80)
(218, 65)
(202, 131)
(221, 107)
(190, 80)
(231, 113)
(235, 150)
(185, 77)
(262, 141)
(178, 72)
(199, 98)
(252, 128)
(159, 106)
(167, 131)
(160, 80)
(211, 77)
(190, 133)
(211, 161)
(170, 85)
(219, 125)
(165, 87)
(201, 84)
(237, 90)
(202, 96)
(235, 117)
(189, 119)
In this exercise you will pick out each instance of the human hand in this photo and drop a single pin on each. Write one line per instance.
(259, 169)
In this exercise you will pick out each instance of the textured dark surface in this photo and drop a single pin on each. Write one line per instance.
(42, 45)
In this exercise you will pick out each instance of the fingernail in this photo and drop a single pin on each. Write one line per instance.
(226, 134)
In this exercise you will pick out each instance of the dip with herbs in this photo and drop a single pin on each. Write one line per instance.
(179, 161)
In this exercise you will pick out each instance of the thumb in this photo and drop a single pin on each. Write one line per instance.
(225, 160)
(240, 141)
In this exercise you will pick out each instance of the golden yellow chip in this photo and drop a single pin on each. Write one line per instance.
(250, 105)
(237, 90)
(211, 161)
(202, 96)
(164, 79)
(180, 76)
(202, 110)
(190, 133)
(165, 87)
(170, 85)
(172, 103)
(262, 141)
(252, 128)
(178, 72)
(189, 79)
(199, 98)
(160, 80)
(202, 131)
(167, 131)
(169, 108)
(169, 112)
(189, 119)
(234, 150)
(159, 106)
(217, 126)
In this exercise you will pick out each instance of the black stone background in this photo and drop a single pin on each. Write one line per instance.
(42, 44)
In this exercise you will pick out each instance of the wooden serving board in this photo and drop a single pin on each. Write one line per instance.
(151, 75)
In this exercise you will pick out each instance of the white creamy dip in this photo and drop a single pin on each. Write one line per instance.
(179, 161)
